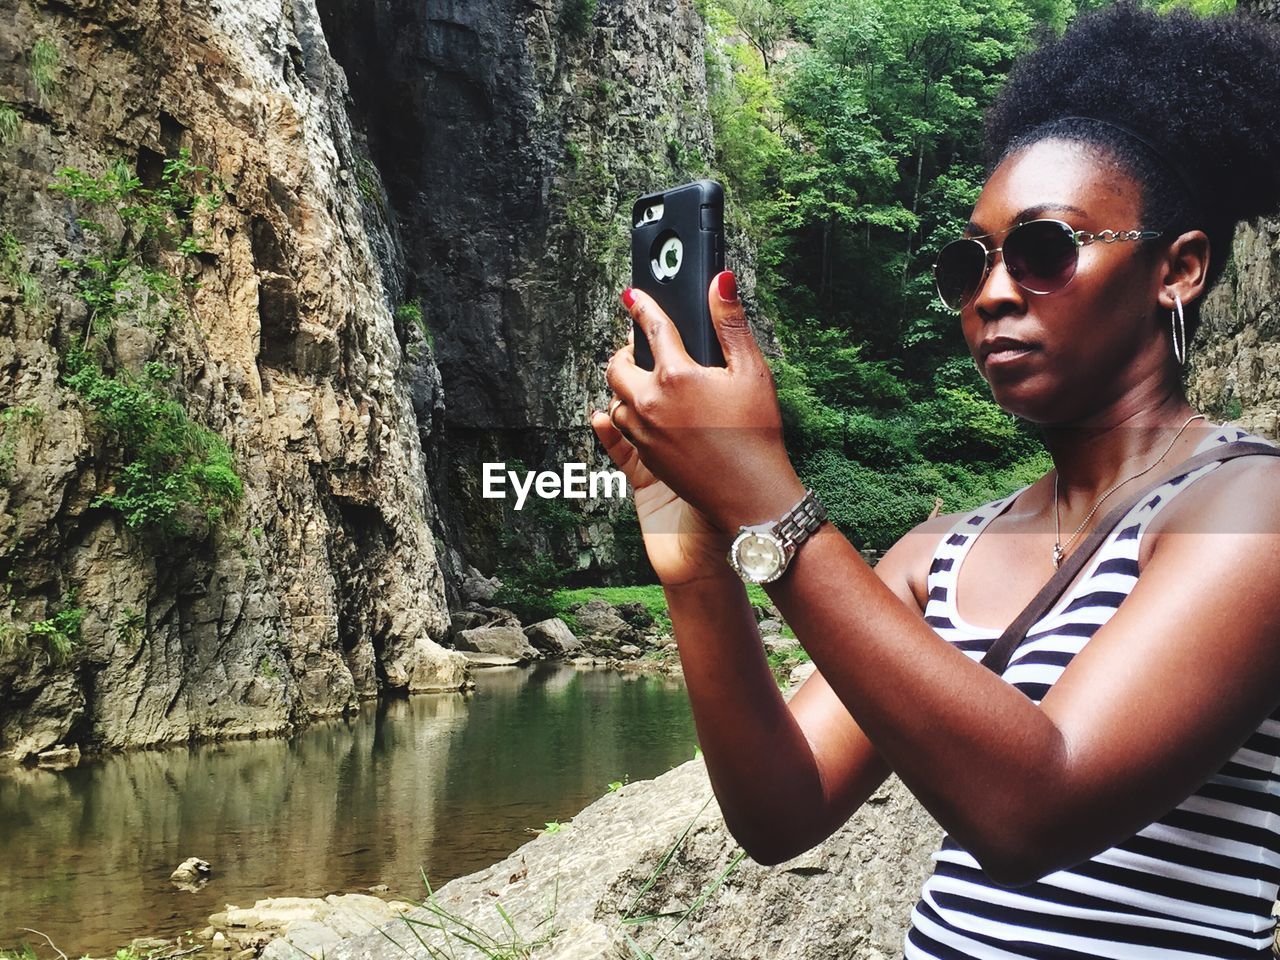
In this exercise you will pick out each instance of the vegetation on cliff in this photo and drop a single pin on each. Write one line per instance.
(130, 269)
(849, 133)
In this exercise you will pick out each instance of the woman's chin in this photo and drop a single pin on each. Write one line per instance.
(1026, 403)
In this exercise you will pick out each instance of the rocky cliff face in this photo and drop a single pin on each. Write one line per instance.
(512, 138)
(363, 349)
(1238, 345)
(322, 584)
(1237, 348)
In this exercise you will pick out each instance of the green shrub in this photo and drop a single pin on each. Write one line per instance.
(60, 633)
(882, 442)
(808, 424)
(44, 61)
(528, 585)
(168, 463)
(367, 180)
(12, 420)
(9, 123)
(872, 508)
(13, 270)
(409, 316)
(838, 373)
(129, 627)
(960, 425)
(875, 507)
(120, 273)
(530, 575)
(576, 16)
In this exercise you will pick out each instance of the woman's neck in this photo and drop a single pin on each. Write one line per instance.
(1092, 455)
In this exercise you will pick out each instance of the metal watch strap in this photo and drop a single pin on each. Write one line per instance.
(801, 520)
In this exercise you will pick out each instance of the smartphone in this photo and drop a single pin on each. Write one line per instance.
(677, 246)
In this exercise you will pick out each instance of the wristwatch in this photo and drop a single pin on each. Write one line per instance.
(761, 552)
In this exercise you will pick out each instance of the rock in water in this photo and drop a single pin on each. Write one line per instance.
(193, 870)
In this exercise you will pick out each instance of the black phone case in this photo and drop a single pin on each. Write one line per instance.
(695, 213)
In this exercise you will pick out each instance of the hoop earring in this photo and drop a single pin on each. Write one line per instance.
(1179, 330)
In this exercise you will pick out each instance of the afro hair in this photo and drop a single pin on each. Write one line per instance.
(1205, 90)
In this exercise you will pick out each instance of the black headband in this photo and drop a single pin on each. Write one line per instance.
(1178, 170)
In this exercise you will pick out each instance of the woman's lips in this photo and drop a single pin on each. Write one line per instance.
(1008, 356)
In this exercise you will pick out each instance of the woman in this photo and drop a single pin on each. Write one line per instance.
(1117, 792)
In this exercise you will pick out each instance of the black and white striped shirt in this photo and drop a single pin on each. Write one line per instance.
(1199, 882)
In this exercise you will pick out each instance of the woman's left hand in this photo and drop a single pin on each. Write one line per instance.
(712, 434)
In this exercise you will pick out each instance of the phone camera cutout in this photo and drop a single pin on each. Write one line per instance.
(651, 214)
(668, 258)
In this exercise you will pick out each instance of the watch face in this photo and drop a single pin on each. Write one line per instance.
(759, 557)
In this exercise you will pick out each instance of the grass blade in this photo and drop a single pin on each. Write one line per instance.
(703, 898)
(662, 864)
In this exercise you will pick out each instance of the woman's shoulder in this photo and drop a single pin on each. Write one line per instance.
(1240, 495)
(907, 562)
(1264, 469)
(1225, 433)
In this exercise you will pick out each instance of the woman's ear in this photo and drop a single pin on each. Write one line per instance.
(1186, 265)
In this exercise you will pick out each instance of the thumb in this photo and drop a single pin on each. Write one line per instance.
(621, 451)
(617, 446)
(730, 321)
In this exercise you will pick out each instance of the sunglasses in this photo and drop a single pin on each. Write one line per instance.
(1040, 255)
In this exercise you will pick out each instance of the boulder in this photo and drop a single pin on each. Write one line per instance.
(777, 643)
(850, 896)
(191, 870)
(766, 611)
(310, 925)
(460, 620)
(552, 637)
(801, 673)
(475, 586)
(59, 757)
(600, 618)
(489, 659)
(502, 640)
(493, 615)
(636, 614)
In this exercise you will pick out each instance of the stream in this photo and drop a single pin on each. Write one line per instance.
(441, 783)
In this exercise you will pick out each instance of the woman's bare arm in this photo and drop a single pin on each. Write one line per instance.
(1163, 694)
(1160, 698)
(787, 774)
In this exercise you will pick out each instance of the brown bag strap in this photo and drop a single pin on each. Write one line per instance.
(997, 658)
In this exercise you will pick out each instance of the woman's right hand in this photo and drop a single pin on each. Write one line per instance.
(683, 545)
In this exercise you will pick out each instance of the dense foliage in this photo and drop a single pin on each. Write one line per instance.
(849, 140)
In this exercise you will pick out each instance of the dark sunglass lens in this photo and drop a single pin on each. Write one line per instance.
(1041, 255)
(959, 271)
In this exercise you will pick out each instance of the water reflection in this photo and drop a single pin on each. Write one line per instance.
(445, 782)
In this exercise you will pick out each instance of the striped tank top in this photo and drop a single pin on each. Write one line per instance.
(1199, 882)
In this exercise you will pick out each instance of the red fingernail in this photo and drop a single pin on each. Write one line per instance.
(628, 297)
(728, 286)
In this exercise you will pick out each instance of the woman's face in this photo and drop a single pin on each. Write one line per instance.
(1092, 342)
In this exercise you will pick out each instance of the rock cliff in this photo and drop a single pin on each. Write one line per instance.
(412, 268)
(512, 138)
(1237, 346)
(321, 584)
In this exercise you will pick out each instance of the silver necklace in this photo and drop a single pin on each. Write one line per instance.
(1059, 548)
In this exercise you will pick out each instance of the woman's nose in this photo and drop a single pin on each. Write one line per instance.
(997, 287)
